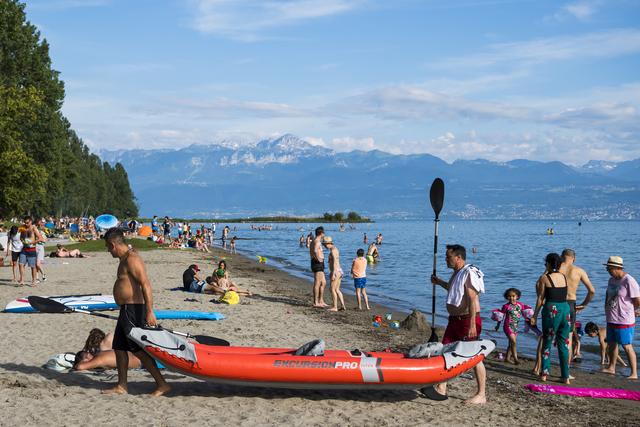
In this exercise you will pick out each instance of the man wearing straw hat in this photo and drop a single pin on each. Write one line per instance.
(621, 307)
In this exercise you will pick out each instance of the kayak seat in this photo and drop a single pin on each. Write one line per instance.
(312, 348)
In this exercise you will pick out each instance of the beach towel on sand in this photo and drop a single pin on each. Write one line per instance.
(456, 287)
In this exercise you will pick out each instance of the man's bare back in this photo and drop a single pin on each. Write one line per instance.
(574, 275)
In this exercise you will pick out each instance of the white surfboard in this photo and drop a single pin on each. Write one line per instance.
(89, 302)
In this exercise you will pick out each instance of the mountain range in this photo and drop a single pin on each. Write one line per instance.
(287, 175)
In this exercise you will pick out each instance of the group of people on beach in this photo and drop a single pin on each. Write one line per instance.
(25, 247)
(188, 236)
(556, 291)
(358, 271)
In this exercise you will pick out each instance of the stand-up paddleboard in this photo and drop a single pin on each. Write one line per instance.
(297, 368)
(190, 315)
(99, 302)
(89, 302)
(106, 221)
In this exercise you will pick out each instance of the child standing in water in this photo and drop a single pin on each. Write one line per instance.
(359, 274)
(513, 312)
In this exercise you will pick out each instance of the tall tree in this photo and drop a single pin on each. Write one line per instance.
(44, 166)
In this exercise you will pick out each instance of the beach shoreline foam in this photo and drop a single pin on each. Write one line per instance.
(278, 315)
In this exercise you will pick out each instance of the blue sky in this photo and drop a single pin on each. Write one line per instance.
(495, 79)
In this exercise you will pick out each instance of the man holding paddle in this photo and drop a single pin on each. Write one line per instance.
(463, 304)
(132, 292)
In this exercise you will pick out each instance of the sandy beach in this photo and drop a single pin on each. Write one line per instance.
(279, 314)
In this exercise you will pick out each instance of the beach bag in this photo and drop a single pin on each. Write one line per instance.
(60, 362)
(230, 297)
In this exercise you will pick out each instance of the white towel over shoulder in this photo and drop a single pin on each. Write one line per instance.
(456, 287)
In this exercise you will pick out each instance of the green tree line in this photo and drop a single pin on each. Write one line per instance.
(339, 217)
(45, 168)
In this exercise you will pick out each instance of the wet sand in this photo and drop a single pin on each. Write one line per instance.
(279, 314)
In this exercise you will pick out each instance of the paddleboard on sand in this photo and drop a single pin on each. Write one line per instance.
(98, 302)
(89, 302)
(106, 221)
(191, 315)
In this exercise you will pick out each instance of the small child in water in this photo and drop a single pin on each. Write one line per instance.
(513, 312)
(359, 274)
(593, 331)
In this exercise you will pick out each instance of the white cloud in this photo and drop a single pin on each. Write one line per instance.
(582, 10)
(602, 44)
(417, 103)
(247, 20)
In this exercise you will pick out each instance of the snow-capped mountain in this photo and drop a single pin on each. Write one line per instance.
(288, 174)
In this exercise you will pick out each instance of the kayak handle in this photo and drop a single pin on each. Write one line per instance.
(482, 347)
(182, 347)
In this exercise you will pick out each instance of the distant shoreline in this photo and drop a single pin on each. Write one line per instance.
(282, 219)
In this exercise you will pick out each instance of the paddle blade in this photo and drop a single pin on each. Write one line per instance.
(46, 305)
(436, 194)
(203, 339)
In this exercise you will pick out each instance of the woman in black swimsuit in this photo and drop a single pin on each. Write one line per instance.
(556, 319)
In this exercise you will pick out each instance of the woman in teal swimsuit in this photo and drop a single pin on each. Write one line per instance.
(556, 323)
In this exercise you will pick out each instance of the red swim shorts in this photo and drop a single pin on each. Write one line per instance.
(458, 328)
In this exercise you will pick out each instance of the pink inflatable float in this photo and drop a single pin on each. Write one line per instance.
(598, 393)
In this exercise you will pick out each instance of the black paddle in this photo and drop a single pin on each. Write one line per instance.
(46, 305)
(436, 195)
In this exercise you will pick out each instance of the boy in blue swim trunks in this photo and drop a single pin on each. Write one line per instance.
(359, 274)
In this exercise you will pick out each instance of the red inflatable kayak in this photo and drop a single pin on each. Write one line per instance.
(281, 367)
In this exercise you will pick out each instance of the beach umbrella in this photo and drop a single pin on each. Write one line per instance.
(106, 221)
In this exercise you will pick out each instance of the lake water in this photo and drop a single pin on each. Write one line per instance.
(509, 252)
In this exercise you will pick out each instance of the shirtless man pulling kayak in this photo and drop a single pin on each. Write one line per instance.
(132, 292)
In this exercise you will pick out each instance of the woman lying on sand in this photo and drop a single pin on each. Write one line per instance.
(97, 353)
(63, 252)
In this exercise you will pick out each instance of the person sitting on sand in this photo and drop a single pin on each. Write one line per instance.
(593, 330)
(63, 252)
(621, 304)
(220, 280)
(191, 282)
